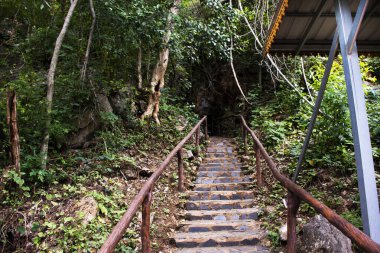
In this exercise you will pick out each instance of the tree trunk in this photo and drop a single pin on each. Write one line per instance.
(87, 55)
(13, 129)
(157, 81)
(50, 83)
(139, 74)
(148, 67)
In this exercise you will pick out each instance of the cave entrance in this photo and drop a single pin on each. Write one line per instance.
(220, 108)
(216, 95)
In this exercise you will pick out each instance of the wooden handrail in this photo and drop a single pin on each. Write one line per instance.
(296, 194)
(144, 197)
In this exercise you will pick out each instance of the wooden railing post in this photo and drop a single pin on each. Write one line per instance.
(13, 129)
(259, 176)
(245, 141)
(181, 177)
(293, 205)
(197, 135)
(145, 224)
(206, 130)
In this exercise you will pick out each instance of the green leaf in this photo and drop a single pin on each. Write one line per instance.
(103, 209)
(35, 227)
(21, 230)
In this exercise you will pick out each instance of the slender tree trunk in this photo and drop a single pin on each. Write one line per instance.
(139, 74)
(89, 42)
(157, 81)
(13, 129)
(148, 67)
(50, 82)
(233, 69)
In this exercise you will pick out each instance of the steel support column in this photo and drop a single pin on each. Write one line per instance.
(362, 143)
(318, 102)
(356, 25)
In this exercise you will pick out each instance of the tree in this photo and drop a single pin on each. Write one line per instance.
(13, 129)
(89, 42)
(157, 81)
(50, 83)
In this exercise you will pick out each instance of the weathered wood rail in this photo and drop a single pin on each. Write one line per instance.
(144, 197)
(296, 194)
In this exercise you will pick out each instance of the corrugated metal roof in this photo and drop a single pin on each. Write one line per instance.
(301, 23)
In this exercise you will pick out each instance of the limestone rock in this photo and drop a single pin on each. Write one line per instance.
(182, 123)
(283, 230)
(88, 207)
(321, 236)
(104, 103)
(119, 103)
(270, 209)
(88, 122)
(246, 158)
(188, 154)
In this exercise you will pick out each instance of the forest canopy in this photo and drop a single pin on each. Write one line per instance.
(95, 79)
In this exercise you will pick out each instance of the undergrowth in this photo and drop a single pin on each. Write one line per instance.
(328, 170)
(40, 209)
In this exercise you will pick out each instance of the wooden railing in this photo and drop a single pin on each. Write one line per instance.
(296, 194)
(144, 197)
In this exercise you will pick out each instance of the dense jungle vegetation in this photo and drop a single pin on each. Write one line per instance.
(99, 112)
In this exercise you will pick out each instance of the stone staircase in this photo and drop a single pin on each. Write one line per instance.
(220, 214)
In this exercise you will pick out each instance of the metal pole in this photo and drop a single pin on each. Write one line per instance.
(362, 142)
(356, 25)
(318, 103)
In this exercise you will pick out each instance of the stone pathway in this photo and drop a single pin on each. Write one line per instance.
(220, 214)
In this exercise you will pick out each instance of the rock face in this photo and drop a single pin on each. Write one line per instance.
(320, 236)
(88, 123)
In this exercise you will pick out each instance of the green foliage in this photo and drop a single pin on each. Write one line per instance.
(205, 30)
(329, 172)
(284, 120)
(274, 238)
(354, 217)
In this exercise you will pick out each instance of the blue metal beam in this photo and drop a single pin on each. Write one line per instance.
(362, 142)
(318, 102)
(356, 25)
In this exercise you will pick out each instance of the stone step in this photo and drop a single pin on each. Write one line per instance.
(219, 195)
(220, 216)
(220, 164)
(219, 204)
(218, 225)
(222, 186)
(231, 173)
(217, 155)
(217, 180)
(218, 149)
(221, 160)
(233, 249)
(219, 168)
(232, 214)
(218, 238)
